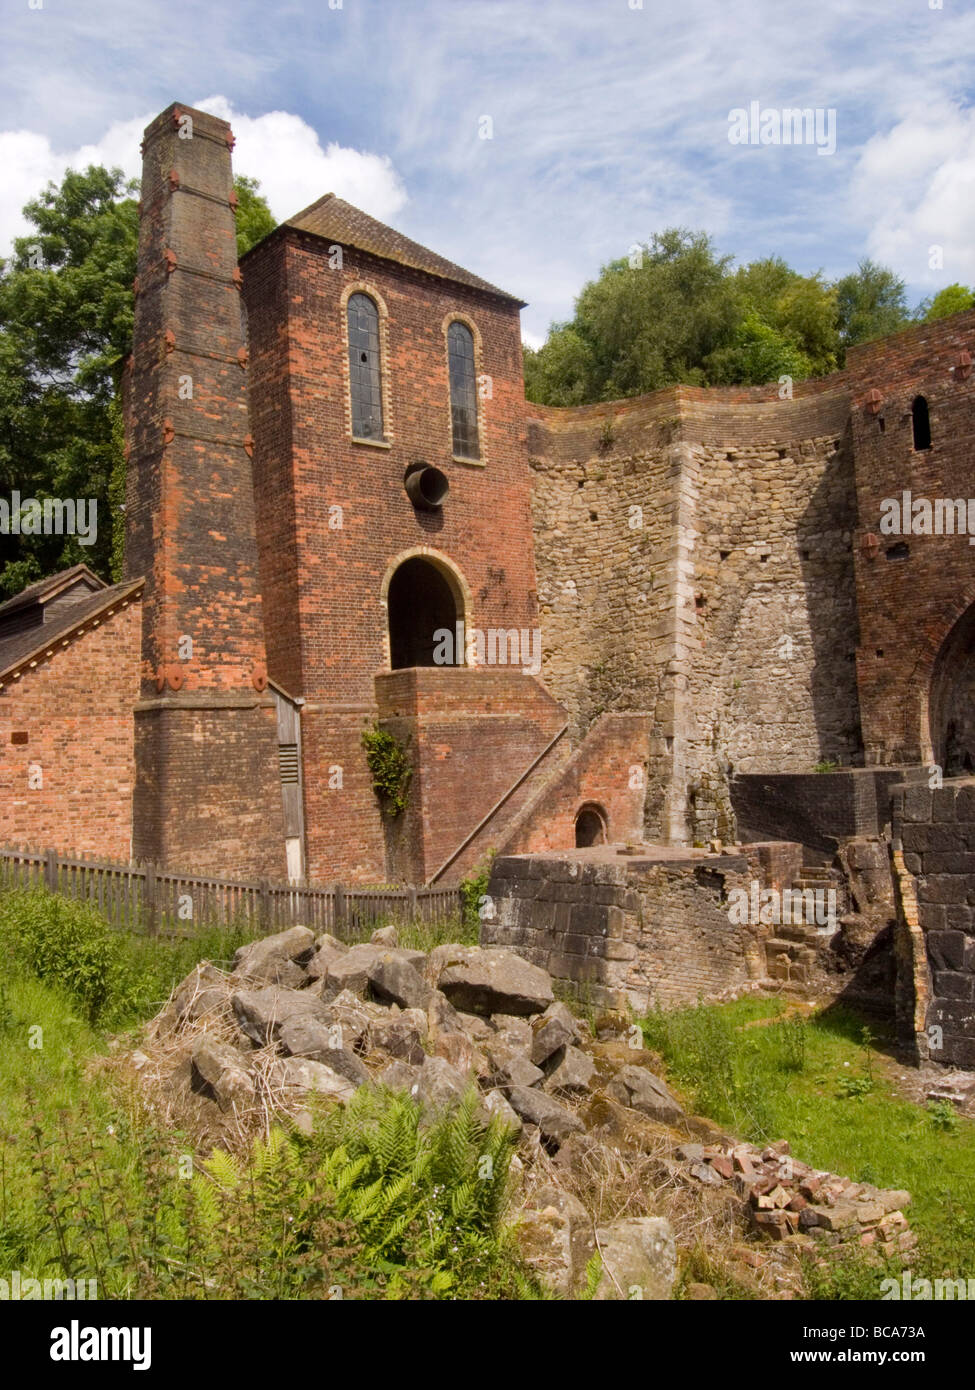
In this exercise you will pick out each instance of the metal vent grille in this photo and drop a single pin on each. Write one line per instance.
(288, 761)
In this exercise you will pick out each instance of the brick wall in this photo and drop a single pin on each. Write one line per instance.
(909, 602)
(207, 793)
(820, 810)
(76, 710)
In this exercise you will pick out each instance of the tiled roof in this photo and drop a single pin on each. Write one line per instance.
(44, 588)
(340, 222)
(21, 646)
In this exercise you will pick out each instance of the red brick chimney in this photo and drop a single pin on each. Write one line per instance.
(207, 793)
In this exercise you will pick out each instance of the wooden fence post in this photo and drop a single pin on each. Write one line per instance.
(339, 907)
(264, 889)
(411, 899)
(149, 900)
(51, 870)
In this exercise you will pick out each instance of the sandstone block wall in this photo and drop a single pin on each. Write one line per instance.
(934, 838)
(627, 930)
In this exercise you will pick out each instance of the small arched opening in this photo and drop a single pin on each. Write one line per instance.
(423, 601)
(590, 826)
(921, 423)
(951, 705)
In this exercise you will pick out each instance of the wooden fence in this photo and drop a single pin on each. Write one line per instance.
(145, 899)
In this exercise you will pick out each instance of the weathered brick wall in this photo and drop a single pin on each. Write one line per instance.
(910, 599)
(820, 810)
(324, 570)
(934, 842)
(628, 930)
(207, 793)
(608, 770)
(471, 734)
(76, 710)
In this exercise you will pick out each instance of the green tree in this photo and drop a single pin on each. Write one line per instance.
(872, 303)
(66, 315)
(953, 299)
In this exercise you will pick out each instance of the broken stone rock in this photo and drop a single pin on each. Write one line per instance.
(555, 1029)
(639, 1259)
(492, 981)
(555, 1237)
(261, 1012)
(573, 1072)
(553, 1120)
(641, 1090)
(394, 980)
(306, 1036)
(276, 959)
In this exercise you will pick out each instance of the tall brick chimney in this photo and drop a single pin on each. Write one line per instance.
(207, 794)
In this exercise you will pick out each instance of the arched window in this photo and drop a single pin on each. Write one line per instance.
(463, 391)
(365, 371)
(922, 423)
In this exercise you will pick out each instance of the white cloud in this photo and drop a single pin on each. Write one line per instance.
(279, 149)
(916, 182)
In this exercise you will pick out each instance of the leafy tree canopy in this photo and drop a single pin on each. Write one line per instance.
(66, 314)
(677, 312)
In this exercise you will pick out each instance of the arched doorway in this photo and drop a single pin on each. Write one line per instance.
(590, 826)
(421, 600)
(952, 701)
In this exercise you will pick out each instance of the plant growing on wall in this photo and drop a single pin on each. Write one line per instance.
(389, 766)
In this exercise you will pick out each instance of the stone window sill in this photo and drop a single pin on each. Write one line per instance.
(373, 443)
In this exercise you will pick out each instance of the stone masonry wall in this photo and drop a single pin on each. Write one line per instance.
(627, 930)
(934, 845)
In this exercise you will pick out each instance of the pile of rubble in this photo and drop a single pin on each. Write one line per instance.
(299, 1015)
(785, 1197)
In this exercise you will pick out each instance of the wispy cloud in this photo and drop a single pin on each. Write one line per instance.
(609, 122)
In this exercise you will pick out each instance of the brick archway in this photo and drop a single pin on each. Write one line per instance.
(951, 700)
(422, 592)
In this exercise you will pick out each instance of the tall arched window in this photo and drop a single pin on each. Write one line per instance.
(922, 423)
(365, 370)
(463, 391)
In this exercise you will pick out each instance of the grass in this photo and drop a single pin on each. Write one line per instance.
(824, 1083)
(93, 1187)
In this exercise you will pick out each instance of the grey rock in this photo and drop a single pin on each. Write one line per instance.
(641, 1090)
(553, 1120)
(705, 1175)
(442, 1017)
(385, 936)
(639, 1259)
(494, 1103)
(495, 981)
(350, 971)
(438, 1085)
(204, 989)
(555, 1238)
(329, 951)
(572, 1073)
(509, 1066)
(394, 979)
(261, 1012)
(304, 1075)
(555, 1029)
(304, 1036)
(398, 1035)
(477, 1029)
(224, 1070)
(354, 1015)
(398, 1076)
(276, 959)
(517, 1031)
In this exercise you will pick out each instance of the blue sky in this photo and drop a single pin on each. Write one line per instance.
(610, 121)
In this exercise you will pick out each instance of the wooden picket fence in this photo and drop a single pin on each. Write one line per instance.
(144, 899)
